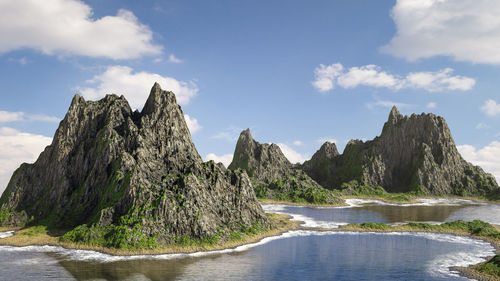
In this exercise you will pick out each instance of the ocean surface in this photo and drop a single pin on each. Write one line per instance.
(295, 255)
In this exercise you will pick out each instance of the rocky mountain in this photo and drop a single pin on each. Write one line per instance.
(414, 153)
(273, 176)
(109, 165)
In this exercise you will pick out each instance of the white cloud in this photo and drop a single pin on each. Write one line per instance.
(462, 29)
(373, 76)
(8, 116)
(486, 157)
(368, 75)
(480, 126)
(327, 139)
(136, 86)
(15, 148)
(174, 59)
(491, 108)
(66, 27)
(325, 76)
(224, 159)
(298, 143)
(192, 124)
(292, 155)
(431, 105)
(439, 81)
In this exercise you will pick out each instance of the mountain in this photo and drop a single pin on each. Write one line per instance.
(273, 176)
(139, 171)
(412, 154)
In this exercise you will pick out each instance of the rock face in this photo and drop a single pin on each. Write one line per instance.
(415, 153)
(321, 166)
(273, 176)
(109, 165)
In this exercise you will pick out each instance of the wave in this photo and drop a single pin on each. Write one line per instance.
(6, 234)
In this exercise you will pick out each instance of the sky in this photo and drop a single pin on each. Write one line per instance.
(297, 73)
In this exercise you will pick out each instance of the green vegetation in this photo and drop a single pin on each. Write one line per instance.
(475, 228)
(4, 213)
(111, 236)
(36, 230)
(130, 238)
(492, 267)
(353, 188)
(295, 189)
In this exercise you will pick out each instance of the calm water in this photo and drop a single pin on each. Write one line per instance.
(296, 255)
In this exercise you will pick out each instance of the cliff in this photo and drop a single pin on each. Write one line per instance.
(273, 176)
(111, 166)
(413, 154)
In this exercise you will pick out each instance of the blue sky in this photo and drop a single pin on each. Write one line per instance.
(296, 73)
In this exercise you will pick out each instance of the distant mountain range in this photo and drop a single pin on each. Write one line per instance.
(413, 154)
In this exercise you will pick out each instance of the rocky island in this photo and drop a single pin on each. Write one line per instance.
(414, 155)
(120, 178)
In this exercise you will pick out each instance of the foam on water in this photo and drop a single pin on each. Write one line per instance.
(420, 202)
(6, 234)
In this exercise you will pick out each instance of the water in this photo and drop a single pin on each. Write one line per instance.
(360, 211)
(295, 255)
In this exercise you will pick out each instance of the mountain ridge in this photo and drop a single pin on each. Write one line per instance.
(115, 168)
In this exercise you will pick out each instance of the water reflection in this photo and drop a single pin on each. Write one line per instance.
(309, 256)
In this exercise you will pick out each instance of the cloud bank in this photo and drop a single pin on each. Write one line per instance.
(326, 77)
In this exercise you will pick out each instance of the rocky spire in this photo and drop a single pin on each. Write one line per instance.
(107, 163)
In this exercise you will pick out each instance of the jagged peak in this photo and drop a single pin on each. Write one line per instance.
(158, 98)
(77, 99)
(394, 115)
(246, 133)
(329, 149)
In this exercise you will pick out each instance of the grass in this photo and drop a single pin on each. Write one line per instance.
(36, 236)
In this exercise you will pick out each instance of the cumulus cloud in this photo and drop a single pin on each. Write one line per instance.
(192, 124)
(224, 159)
(431, 105)
(491, 108)
(15, 148)
(298, 143)
(486, 157)
(135, 86)
(66, 27)
(9, 116)
(292, 155)
(326, 77)
(462, 29)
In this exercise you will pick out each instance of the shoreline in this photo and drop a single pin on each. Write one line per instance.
(413, 200)
(19, 239)
(284, 224)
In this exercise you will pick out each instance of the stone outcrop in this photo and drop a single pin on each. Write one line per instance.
(110, 165)
(321, 166)
(273, 176)
(415, 153)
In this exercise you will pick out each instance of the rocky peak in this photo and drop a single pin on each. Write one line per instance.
(107, 163)
(262, 161)
(320, 166)
(273, 176)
